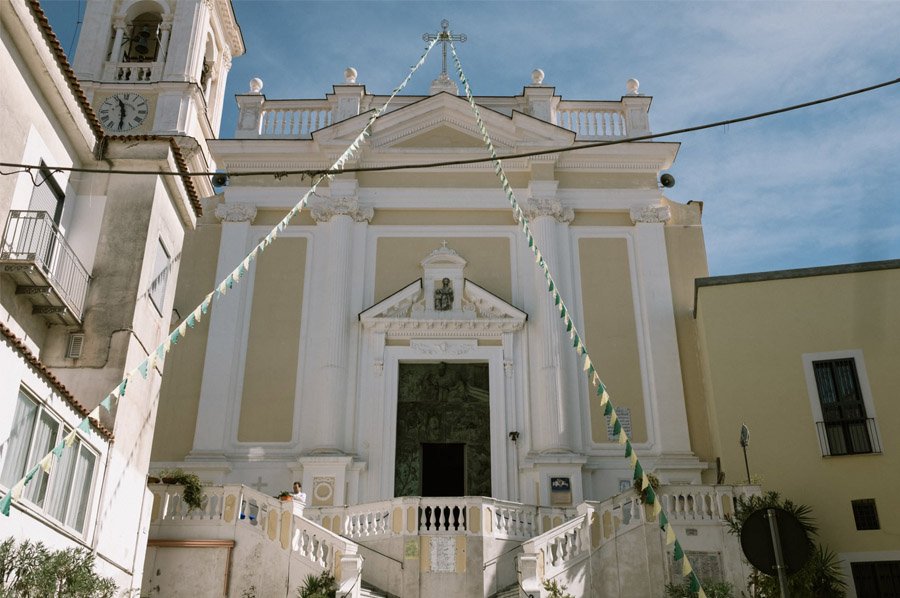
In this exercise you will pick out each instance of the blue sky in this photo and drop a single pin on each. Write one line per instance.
(809, 188)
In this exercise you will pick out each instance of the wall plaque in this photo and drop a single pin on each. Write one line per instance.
(443, 554)
(560, 491)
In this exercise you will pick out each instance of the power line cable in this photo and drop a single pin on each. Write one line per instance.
(559, 150)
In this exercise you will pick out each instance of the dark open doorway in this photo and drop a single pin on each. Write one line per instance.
(443, 469)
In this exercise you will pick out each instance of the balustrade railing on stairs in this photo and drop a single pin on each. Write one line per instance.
(227, 509)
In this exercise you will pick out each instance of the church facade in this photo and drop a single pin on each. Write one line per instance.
(350, 357)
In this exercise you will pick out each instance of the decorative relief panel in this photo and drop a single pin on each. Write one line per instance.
(323, 491)
(443, 403)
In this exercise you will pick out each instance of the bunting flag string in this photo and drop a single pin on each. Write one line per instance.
(232, 278)
(577, 344)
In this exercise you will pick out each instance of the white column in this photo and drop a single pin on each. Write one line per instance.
(219, 392)
(116, 54)
(552, 428)
(166, 28)
(669, 426)
(325, 424)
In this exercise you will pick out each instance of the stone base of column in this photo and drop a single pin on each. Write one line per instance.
(553, 479)
(329, 480)
(678, 469)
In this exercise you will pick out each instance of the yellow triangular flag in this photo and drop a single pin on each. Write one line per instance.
(613, 418)
(623, 438)
(670, 534)
(604, 399)
(47, 462)
(644, 481)
(587, 363)
(657, 508)
(182, 330)
(16, 491)
(596, 379)
(70, 438)
(633, 459)
(686, 566)
(701, 594)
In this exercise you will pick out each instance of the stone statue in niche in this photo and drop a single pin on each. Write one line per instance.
(443, 296)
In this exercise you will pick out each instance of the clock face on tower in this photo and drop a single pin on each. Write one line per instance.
(123, 112)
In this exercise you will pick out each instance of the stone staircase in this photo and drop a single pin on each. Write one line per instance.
(412, 547)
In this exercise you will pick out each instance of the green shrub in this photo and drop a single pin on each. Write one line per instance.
(31, 570)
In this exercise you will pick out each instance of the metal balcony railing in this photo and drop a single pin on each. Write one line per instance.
(848, 437)
(36, 254)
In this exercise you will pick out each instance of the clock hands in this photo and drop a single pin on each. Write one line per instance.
(121, 113)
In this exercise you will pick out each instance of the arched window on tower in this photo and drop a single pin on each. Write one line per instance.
(141, 43)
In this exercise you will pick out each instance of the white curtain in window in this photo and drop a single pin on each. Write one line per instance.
(19, 440)
(44, 439)
(61, 483)
(81, 489)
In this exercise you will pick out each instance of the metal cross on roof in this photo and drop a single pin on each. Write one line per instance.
(443, 38)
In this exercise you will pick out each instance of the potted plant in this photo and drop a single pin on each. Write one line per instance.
(642, 492)
(193, 490)
(284, 496)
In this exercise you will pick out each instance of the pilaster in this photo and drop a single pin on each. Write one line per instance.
(669, 430)
(219, 391)
(335, 217)
(552, 427)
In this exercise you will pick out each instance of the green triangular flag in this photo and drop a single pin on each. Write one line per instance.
(5, 503)
(85, 425)
(628, 448)
(617, 427)
(638, 471)
(607, 411)
(695, 582)
(678, 553)
(663, 521)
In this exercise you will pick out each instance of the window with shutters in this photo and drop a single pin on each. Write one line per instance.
(844, 415)
(64, 494)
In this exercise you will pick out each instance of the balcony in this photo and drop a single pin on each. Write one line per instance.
(35, 254)
(848, 437)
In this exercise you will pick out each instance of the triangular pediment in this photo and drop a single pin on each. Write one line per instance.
(409, 313)
(444, 123)
(440, 136)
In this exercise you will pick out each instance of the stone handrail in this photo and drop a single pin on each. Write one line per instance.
(471, 515)
(294, 118)
(225, 509)
(702, 502)
(593, 119)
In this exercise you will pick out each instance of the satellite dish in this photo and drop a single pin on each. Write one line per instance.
(220, 179)
(763, 553)
(667, 180)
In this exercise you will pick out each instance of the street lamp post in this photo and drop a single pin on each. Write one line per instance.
(745, 440)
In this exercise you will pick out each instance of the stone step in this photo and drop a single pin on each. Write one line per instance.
(508, 592)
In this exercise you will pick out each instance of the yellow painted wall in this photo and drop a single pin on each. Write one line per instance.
(267, 404)
(176, 417)
(398, 262)
(752, 337)
(611, 332)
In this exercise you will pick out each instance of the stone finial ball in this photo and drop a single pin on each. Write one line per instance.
(632, 85)
(256, 85)
(537, 77)
(350, 75)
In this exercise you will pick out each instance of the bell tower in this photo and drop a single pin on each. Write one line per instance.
(158, 67)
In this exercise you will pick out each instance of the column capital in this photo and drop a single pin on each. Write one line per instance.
(652, 214)
(236, 212)
(324, 209)
(119, 22)
(535, 208)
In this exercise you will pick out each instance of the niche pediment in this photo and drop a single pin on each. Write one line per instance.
(443, 303)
